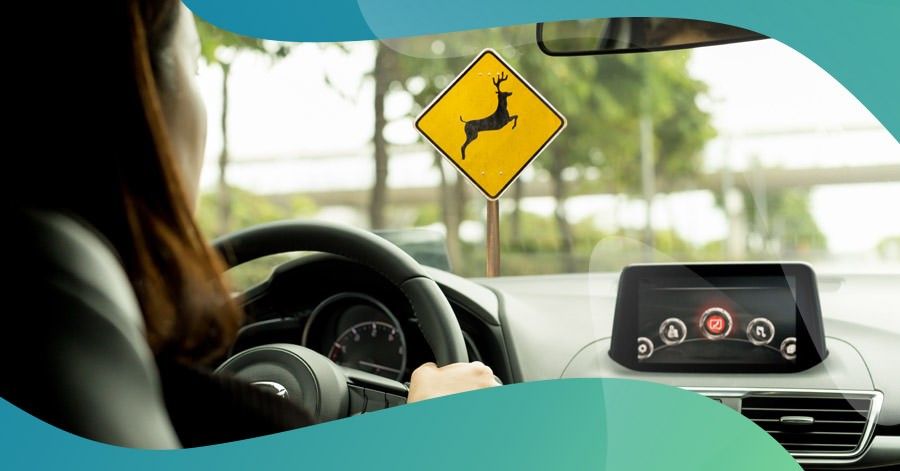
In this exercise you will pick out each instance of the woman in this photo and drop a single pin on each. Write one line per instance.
(136, 183)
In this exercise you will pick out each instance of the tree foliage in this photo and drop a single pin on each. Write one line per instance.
(788, 225)
(250, 209)
(604, 99)
(218, 46)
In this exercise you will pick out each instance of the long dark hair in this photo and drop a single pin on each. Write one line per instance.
(111, 164)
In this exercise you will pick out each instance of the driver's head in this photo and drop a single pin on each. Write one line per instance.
(174, 56)
(121, 150)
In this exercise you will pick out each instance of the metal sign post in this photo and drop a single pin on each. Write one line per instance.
(490, 124)
(492, 251)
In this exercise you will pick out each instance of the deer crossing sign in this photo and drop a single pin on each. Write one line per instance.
(490, 123)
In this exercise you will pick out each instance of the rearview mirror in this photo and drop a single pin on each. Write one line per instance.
(627, 35)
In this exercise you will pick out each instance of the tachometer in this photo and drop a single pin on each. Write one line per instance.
(372, 346)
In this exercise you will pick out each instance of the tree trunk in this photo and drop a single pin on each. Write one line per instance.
(460, 197)
(515, 223)
(381, 75)
(566, 238)
(224, 196)
(648, 182)
(449, 216)
(648, 158)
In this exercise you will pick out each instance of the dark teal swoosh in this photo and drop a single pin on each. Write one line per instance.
(562, 424)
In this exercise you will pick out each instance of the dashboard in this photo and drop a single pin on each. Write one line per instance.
(356, 318)
(562, 326)
(565, 326)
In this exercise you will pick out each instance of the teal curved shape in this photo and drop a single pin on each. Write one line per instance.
(600, 424)
(561, 424)
(855, 41)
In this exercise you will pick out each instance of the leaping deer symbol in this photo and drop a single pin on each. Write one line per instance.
(496, 121)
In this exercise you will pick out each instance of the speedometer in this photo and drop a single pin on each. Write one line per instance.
(372, 346)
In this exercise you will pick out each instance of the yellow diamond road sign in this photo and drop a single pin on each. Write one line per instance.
(490, 123)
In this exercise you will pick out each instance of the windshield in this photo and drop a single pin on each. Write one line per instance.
(737, 152)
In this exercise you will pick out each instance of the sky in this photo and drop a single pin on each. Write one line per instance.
(756, 90)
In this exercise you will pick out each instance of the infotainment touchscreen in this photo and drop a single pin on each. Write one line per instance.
(725, 319)
(735, 317)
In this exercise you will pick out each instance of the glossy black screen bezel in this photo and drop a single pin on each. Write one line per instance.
(810, 333)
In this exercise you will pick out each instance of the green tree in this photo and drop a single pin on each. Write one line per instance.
(249, 209)
(384, 73)
(220, 48)
(889, 248)
(782, 223)
(604, 99)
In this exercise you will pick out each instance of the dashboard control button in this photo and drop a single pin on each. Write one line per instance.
(357, 400)
(715, 323)
(394, 401)
(644, 348)
(375, 400)
(789, 348)
(672, 331)
(760, 331)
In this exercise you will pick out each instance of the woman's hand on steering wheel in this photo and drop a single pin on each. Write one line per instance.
(429, 381)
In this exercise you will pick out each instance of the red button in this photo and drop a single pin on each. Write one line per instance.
(715, 324)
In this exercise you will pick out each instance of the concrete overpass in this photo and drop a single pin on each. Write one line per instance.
(753, 178)
(774, 178)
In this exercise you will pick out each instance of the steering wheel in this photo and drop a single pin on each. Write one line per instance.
(308, 378)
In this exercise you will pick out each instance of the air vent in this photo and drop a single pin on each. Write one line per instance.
(813, 424)
(823, 426)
